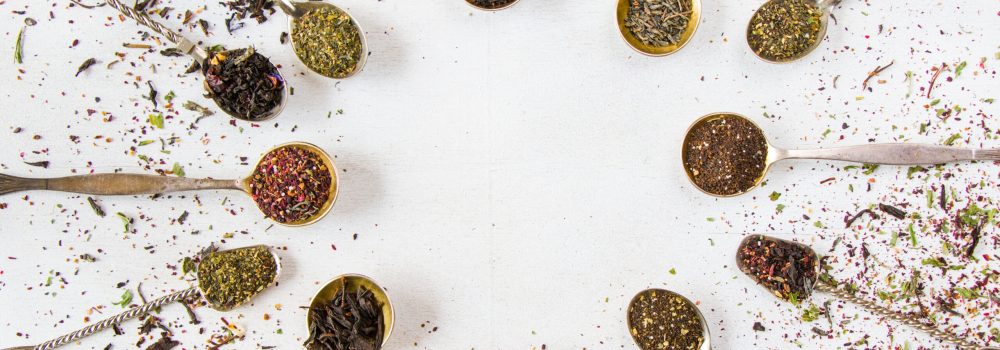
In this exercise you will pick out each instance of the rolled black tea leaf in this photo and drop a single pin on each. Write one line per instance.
(351, 321)
(244, 83)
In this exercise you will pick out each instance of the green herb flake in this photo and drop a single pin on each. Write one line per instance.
(959, 68)
(156, 120)
(673, 271)
(967, 293)
(178, 170)
(811, 314)
(819, 224)
(126, 299)
(951, 140)
(169, 97)
(870, 168)
(774, 196)
(19, 47)
(126, 221)
(780, 208)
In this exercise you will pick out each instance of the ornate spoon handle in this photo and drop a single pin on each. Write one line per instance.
(909, 321)
(105, 324)
(183, 44)
(114, 184)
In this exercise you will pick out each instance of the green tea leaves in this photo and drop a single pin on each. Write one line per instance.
(156, 120)
(125, 300)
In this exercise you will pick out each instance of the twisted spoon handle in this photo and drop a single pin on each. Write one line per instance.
(115, 184)
(107, 323)
(909, 321)
(183, 44)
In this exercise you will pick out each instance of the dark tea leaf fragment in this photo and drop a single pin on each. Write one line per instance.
(244, 83)
(96, 207)
(41, 164)
(893, 211)
(351, 321)
(787, 269)
(86, 64)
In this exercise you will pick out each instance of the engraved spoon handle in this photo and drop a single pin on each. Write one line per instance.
(894, 154)
(183, 43)
(909, 321)
(115, 184)
(109, 322)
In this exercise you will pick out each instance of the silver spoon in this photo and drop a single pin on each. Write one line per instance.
(296, 10)
(831, 288)
(146, 308)
(190, 48)
(706, 343)
(823, 5)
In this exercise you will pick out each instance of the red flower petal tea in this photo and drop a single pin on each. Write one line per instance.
(787, 269)
(291, 184)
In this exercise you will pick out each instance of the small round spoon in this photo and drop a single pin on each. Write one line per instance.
(824, 7)
(296, 10)
(656, 51)
(354, 283)
(705, 345)
(487, 8)
(138, 184)
(885, 153)
(147, 308)
(828, 287)
(199, 54)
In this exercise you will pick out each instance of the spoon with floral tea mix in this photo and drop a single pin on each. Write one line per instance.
(659, 316)
(791, 271)
(226, 280)
(325, 38)
(727, 154)
(294, 184)
(783, 31)
(242, 82)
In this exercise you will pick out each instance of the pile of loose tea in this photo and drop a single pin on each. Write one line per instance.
(328, 41)
(662, 320)
(725, 156)
(291, 184)
(659, 23)
(351, 321)
(230, 278)
(244, 83)
(491, 4)
(785, 29)
(785, 268)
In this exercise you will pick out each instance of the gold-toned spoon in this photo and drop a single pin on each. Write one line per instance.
(884, 153)
(823, 6)
(295, 11)
(632, 316)
(199, 54)
(649, 50)
(193, 292)
(779, 272)
(138, 184)
(488, 8)
(353, 283)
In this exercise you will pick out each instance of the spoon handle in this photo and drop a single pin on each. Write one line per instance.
(114, 184)
(183, 44)
(909, 321)
(895, 154)
(109, 322)
(289, 8)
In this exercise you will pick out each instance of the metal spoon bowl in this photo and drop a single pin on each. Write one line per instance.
(199, 54)
(656, 51)
(277, 273)
(885, 153)
(138, 184)
(504, 7)
(705, 345)
(354, 283)
(823, 5)
(295, 10)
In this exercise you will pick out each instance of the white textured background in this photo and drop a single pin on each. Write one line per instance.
(513, 177)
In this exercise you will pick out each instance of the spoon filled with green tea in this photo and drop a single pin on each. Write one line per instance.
(491, 5)
(294, 184)
(727, 154)
(226, 280)
(242, 82)
(659, 316)
(783, 31)
(349, 312)
(791, 271)
(326, 38)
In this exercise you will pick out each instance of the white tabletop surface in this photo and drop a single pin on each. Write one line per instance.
(512, 178)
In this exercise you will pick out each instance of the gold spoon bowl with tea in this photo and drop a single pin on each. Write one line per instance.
(141, 184)
(651, 326)
(353, 283)
(476, 5)
(297, 11)
(761, 51)
(633, 41)
(238, 262)
(884, 154)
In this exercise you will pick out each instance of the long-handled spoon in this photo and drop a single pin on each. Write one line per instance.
(353, 283)
(137, 311)
(633, 310)
(296, 10)
(199, 54)
(886, 153)
(137, 184)
(809, 262)
(621, 15)
(824, 6)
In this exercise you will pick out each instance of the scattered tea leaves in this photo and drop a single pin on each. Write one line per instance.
(86, 64)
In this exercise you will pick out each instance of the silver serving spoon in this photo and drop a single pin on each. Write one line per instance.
(190, 48)
(296, 10)
(705, 345)
(823, 5)
(821, 285)
(147, 307)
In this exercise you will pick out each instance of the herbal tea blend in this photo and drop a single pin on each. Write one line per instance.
(491, 4)
(665, 321)
(725, 156)
(230, 278)
(659, 23)
(785, 29)
(291, 184)
(351, 321)
(787, 269)
(244, 83)
(328, 41)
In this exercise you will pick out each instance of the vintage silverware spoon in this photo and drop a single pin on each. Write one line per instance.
(295, 10)
(621, 13)
(705, 345)
(823, 5)
(354, 283)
